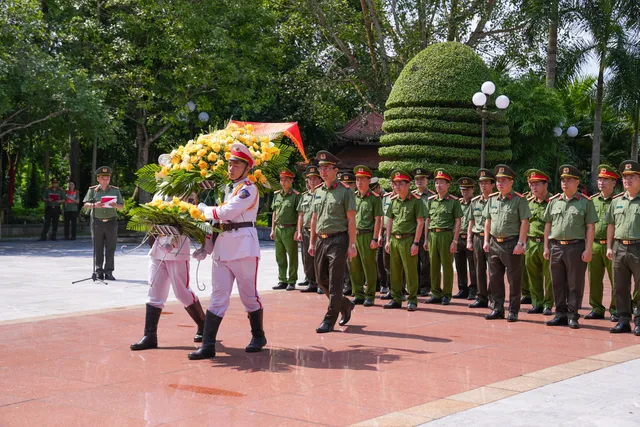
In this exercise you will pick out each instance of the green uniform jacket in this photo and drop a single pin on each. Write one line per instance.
(304, 206)
(95, 194)
(331, 205)
(569, 218)
(405, 213)
(285, 207)
(368, 208)
(476, 213)
(72, 195)
(536, 223)
(624, 213)
(59, 192)
(442, 213)
(602, 207)
(506, 213)
(386, 202)
(466, 208)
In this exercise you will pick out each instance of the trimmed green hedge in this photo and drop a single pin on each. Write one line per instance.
(455, 170)
(441, 153)
(444, 74)
(442, 139)
(417, 125)
(466, 114)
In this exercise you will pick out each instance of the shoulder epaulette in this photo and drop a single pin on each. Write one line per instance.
(277, 192)
(113, 186)
(297, 193)
(454, 197)
(374, 194)
(318, 186)
(344, 184)
(555, 197)
(247, 183)
(306, 192)
(596, 195)
(432, 192)
(518, 194)
(530, 198)
(432, 197)
(586, 197)
(618, 195)
(415, 191)
(476, 198)
(494, 194)
(395, 196)
(94, 187)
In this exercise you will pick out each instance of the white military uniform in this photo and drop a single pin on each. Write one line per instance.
(235, 253)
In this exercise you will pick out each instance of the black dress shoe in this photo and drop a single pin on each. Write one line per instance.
(445, 300)
(302, 284)
(347, 316)
(547, 311)
(310, 288)
(291, 287)
(423, 292)
(434, 300)
(636, 331)
(525, 300)
(358, 301)
(594, 315)
(495, 314)
(392, 304)
(473, 294)
(100, 276)
(368, 302)
(462, 293)
(320, 291)
(384, 290)
(412, 306)
(557, 321)
(324, 328)
(280, 285)
(512, 317)
(386, 296)
(479, 304)
(621, 328)
(346, 292)
(615, 318)
(535, 310)
(573, 324)
(109, 276)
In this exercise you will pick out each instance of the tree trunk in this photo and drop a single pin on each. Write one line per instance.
(74, 155)
(597, 128)
(383, 52)
(143, 143)
(636, 122)
(94, 161)
(422, 23)
(13, 163)
(452, 24)
(552, 47)
(46, 165)
(367, 29)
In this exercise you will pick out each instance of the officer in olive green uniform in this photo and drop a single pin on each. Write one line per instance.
(383, 279)
(475, 236)
(305, 213)
(607, 179)
(536, 265)
(53, 197)
(105, 200)
(421, 179)
(368, 221)
(349, 179)
(568, 240)
(406, 219)
(333, 238)
(283, 229)
(507, 223)
(463, 257)
(386, 202)
(623, 245)
(526, 293)
(444, 217)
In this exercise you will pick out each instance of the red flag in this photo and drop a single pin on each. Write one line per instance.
(290, 130)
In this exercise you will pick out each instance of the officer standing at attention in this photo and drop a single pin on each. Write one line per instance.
(505, 240)
(333, 239)
(305, 213)
(444, 217)
(536, 265)
(404, 227)
(349, 179)
(374, 186)
(475, 236)
(52, 197)
(368, 221)
(568, 244)
(607, 179)
(463, 257)
(235, 253)
(382, 239)
(421, 180)
(623, 245)
(106, 200)
(283, 230)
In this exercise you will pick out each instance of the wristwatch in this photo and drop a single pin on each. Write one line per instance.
(524, 245)
(353, 245)
(416, 243)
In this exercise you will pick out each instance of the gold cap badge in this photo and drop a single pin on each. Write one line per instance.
(501, 170)
(565, 170)
(627, 166)
(483, 173)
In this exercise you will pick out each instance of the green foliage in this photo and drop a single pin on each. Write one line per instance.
(441, 139)
(453, 155)
(444, 75)
(144, 217)
(442, 126)
(387, 167)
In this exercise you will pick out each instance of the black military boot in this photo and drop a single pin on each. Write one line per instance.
(197, 314)
(258, 340)
(150, 338)
(208, 349)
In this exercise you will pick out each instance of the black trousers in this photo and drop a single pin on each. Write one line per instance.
(307, 260)
(51, 218)
(105, 235)
(567, 277)
(464, 265)
(70, 224)
(480, 261)
(424, 267)
(501, 259)
(383, 273)
(330, 261)
(626, 267)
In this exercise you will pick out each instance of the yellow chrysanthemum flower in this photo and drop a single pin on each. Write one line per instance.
(204, 173)
(202, 164)
(227, 155)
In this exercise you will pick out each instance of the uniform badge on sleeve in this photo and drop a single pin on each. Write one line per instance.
(244, 194)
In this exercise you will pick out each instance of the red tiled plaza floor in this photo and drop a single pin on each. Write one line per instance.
(79, 370)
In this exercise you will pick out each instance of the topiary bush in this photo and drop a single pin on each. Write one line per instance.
(430, 121)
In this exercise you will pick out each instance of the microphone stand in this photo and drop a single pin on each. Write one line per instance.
(94, 275)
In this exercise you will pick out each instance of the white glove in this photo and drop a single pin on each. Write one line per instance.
(199, 254)
(166, 247)
(202, 207)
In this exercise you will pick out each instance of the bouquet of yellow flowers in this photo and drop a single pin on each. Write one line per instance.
(185, 217)
(205, 159)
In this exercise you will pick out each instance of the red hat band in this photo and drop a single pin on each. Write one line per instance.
(537, 177)
(364, 173)
(286, 174)
(443, 176)
(607, 174)
(242, 156)
(401, 177)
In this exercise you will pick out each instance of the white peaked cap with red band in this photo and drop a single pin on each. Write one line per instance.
(241, 152)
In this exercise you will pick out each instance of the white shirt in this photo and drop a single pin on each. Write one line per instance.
(181, 248)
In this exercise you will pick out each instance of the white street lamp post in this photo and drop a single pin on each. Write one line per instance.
(480, 100)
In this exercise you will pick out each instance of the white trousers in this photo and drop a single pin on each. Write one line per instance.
(164, 274)
(245, 272)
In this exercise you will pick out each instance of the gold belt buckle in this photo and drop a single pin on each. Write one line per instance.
(481, 234)
(324, 236)
(626, 242)
(564, 242)
(602, 242)
(499, 239)
(398, 236)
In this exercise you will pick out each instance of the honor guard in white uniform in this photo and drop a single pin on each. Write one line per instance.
(169, 266)
(236, 252)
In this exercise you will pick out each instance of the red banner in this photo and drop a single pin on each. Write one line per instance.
(290, 130)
